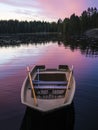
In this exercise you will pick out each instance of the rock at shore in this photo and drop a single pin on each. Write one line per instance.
(92, 33)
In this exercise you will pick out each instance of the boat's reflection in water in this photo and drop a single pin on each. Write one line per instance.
(62, 119)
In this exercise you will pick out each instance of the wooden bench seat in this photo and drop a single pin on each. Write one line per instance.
(49, 87)
(36, 82)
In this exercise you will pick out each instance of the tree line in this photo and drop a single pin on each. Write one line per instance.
(73, 25)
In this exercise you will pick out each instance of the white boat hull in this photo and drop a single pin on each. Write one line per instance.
(48, 104)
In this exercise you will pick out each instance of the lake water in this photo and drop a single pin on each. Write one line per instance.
(81, 115)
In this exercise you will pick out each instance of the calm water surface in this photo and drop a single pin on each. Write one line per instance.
(81, 115)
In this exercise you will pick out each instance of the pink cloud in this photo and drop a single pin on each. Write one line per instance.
(62, 8)
(50, 9)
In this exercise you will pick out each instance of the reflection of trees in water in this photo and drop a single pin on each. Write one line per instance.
(62, 119)
(17, 40)
(91, 51)
(87, 46)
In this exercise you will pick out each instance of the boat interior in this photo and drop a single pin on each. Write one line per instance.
(50, 84)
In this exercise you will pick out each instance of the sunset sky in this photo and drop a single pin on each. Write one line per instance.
(47, 10)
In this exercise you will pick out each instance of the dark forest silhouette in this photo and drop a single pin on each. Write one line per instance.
(73, 25)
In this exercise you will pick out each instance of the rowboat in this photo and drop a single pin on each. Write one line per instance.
(47, 89)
